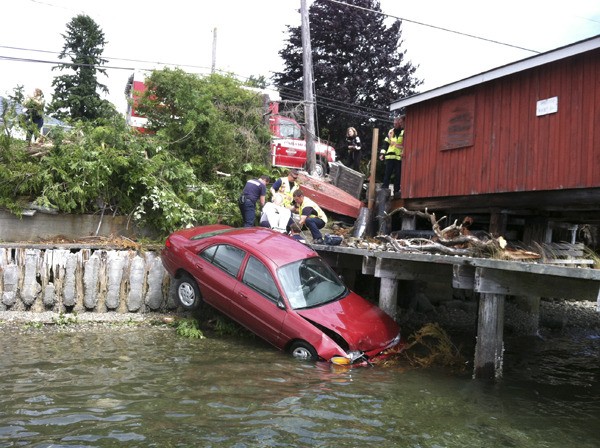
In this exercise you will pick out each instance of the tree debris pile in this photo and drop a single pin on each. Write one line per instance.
(116, 241)
(429, 346)
(455, 239)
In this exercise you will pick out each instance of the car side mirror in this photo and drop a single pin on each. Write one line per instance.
(280, 304)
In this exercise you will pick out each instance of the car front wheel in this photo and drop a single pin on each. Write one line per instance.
(188, 293)
(304, 351)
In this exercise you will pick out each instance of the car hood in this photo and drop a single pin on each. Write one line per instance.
(363, 325)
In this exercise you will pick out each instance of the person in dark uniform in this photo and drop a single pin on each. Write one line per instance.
(254, 191)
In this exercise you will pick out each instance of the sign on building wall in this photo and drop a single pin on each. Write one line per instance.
(456, 122)
(547, 106)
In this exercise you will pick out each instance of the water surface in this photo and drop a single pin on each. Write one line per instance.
(148, 387)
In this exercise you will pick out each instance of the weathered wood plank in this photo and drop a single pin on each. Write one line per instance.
(388, 296)
(463, 277)
(368, 265)
(507, 265)
(494, 281)
(489, 349)
(410, 270)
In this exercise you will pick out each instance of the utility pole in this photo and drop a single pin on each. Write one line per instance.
(214, 50)
(309, 103)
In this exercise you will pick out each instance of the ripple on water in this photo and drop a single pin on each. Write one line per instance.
(148, 388)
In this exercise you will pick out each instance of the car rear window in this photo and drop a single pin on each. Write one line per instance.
(209, 234)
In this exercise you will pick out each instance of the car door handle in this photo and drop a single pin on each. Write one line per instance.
(243, 295)
(199, 267)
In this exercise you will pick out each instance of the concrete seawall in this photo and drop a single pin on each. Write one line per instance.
(83, 280)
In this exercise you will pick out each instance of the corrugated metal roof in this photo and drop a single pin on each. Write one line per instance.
(505, 70)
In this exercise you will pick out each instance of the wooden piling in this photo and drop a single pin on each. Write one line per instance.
(490, 329)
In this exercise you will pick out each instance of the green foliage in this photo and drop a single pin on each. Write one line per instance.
(10, 119)
(189, 328)
(211, 122)
(76, 93)
(223, 326)
(357, 63)
(260, 82)
(33, 325)
(176, 177)
(17, 174)
(64, 320)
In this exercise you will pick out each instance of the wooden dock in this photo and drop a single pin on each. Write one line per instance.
(492, 280)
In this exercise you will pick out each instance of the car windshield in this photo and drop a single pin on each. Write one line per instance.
(310, 282)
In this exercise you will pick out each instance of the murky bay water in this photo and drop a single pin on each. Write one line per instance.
(148, 387)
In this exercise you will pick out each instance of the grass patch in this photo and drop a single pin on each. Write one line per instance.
(189, 328)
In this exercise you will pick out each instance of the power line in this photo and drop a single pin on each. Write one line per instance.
(324, 102)
(106, 57)
(41, 61)
(433, 26)
(338, 105)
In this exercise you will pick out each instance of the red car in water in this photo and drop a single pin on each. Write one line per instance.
(279, 289)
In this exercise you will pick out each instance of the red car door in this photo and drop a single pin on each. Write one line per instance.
(258, 304)
(217, 268)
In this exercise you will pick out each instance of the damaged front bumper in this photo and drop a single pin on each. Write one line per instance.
(361, 358)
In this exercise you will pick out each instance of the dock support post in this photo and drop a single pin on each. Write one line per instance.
(489, 349)
(388, 296)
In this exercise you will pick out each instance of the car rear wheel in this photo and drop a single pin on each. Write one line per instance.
(303, 350)
(187, 292)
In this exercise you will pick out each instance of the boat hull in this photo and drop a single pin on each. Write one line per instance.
(329, 197)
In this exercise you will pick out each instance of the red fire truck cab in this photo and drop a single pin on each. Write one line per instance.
(288, 143)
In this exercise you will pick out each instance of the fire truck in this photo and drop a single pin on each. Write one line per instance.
(288, 144)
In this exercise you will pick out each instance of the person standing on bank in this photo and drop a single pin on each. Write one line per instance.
(353, 146)
(254, 191)
(286, 187)
(393, 155)
(34, 106)
(311, 215)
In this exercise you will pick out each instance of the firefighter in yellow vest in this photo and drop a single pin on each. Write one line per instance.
(393, 155)
(286, 187)
(311, 215)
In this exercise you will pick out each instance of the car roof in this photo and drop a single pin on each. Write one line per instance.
(278, 247)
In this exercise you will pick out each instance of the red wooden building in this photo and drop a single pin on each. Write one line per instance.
(517, 144)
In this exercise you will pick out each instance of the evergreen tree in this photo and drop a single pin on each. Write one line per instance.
(358, 67)
(259, 82)
(76, 94)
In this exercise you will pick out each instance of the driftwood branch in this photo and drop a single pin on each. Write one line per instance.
(454, 239)
(422, 245)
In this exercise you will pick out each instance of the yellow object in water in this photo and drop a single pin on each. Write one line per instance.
(340, 360)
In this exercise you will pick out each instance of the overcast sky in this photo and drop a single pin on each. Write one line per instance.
(250, 33)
